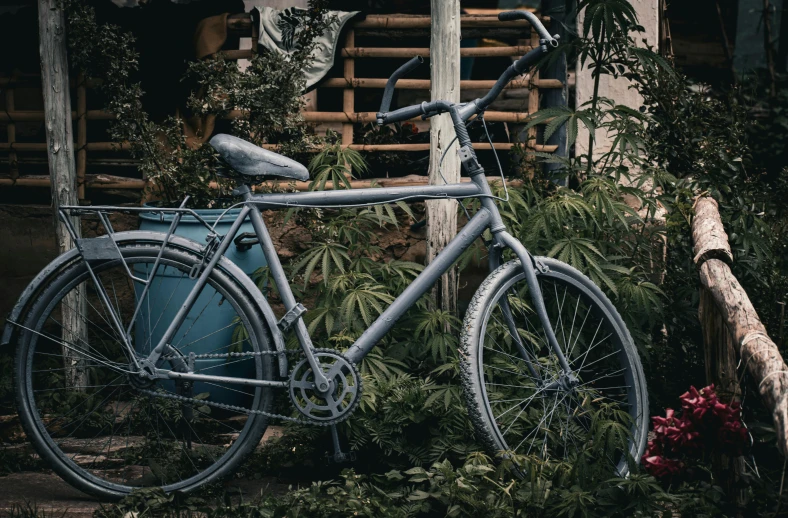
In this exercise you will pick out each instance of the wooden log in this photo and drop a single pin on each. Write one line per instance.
(403, 52)
(387, 52)
(708, 233)
(424, 84)
(123, 146)
(62, 173)
(111, 182)
(758, 353)
(399, 21)
(242, 23)
(349, 94)
(312, 116)
(395, 35)
(445, 85)
(13, 162)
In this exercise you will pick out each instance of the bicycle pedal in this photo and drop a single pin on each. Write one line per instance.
(340, 457)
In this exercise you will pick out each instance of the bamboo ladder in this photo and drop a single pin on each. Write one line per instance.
(242, 25)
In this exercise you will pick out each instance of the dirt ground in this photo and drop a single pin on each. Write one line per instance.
(46, 491)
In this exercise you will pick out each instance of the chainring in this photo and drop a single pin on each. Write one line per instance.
(344, 393)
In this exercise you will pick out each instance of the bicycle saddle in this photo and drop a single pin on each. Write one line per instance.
(249, 160)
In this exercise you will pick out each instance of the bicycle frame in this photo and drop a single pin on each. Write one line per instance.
(487, 217)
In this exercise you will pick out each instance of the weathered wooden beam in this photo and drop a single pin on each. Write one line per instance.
(444, 84)
(424, 84)
(62, 170)
(106, 181)
(757, 351)
(405, 52)
(242, 23)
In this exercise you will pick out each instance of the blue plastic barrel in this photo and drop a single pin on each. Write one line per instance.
(209, 326)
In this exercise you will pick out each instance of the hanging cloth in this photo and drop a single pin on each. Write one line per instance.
(277, 30)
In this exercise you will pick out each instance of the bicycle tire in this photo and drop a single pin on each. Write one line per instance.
(58, 452)
(502, 434)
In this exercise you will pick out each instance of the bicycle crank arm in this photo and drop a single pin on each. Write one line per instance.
(168, 374)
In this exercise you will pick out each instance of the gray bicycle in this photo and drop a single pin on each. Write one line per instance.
(113, 395)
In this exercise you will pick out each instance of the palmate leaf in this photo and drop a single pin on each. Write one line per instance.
(604, 18)
(331, 256)
(336, 164)
(602, 193)
(365, 301)
(651, 61)
(585, 256)
(557, 116)
(382, 369)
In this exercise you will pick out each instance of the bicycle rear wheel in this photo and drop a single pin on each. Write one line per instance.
(103, 428)
(519, 398)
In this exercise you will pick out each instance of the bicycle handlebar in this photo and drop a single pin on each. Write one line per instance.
(510, 16)
(388, 93)
(462, 113)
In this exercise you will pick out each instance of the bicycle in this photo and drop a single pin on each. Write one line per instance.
(112, 398)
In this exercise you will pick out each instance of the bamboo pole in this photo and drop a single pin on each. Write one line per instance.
(424, 84)
(242, 23)
(406, 52)
(758, 353)
(348, 94)
(62, 174)
(312, 116)
(116, 146)
(105, 181)
(11, 131)
(533, 94)
(402, 52)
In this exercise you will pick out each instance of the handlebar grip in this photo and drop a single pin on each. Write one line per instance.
(403, 114)
(388, 93)
(510, 16)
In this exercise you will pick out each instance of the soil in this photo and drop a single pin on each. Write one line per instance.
(48, 493)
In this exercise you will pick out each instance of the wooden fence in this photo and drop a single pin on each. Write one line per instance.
(393, 27)
(731, 327)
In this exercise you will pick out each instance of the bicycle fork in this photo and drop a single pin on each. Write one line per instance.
(504, 239)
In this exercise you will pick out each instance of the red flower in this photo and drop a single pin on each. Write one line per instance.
(705, 423)
(660, 467)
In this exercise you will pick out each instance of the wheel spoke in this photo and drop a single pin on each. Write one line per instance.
(552, 416)
(114, 428)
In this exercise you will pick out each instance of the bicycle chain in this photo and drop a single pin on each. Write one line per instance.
(236, 408)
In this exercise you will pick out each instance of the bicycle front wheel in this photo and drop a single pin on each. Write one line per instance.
(521, 401)
(97, 422)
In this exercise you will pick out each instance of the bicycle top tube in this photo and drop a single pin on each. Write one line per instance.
(368, 196)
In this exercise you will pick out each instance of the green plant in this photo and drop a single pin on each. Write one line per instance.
(268, 94)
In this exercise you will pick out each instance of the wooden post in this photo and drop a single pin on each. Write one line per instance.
(445, 85)
(557, 11)
(11, 130)
(759, 355)
(82, 135)
(62, 170)
(349, 99)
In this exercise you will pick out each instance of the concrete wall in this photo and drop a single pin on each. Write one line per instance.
(617, 89)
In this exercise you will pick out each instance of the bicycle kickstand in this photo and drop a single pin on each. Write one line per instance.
(339, 456)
